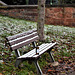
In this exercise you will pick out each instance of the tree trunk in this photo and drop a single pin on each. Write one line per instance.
(27, 2)
(41, 19)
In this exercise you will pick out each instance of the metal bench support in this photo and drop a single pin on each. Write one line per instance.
(39, 72)
(17, 53)
(18, 63)
(51, 57)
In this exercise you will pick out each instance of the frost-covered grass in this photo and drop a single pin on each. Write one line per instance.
(64, 36)
(10, 26)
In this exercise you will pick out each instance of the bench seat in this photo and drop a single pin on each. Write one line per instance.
(42, 49)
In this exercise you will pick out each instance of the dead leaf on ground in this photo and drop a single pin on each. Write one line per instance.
(60, 61)
(50, 70)
(1, 74)
(55, 64)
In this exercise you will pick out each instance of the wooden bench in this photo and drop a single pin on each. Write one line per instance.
(19, 40)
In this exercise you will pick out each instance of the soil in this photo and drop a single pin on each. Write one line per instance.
(65, 67)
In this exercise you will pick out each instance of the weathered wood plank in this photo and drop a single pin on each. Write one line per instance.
(33, 52)
(23, 43)
(2, 3)
(20, 35)
(23, 38)
(42, 49)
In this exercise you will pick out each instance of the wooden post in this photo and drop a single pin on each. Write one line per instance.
(41, 19)
(2, 3)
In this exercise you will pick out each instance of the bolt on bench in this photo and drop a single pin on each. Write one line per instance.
(19, 40)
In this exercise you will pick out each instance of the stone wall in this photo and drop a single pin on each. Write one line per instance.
(55, 15)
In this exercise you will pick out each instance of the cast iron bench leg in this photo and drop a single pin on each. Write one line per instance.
(17, 53)
(17, 63)
(39, 72)
(51, 57)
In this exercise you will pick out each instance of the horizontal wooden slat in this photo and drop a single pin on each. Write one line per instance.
(33, 52)
(23, 43)
(42, 48)
(20, 35)
(43, 51)
(20, 39)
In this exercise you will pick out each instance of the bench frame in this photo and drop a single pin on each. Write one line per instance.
(35, 61)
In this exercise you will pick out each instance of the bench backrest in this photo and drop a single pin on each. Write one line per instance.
(22, 39)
